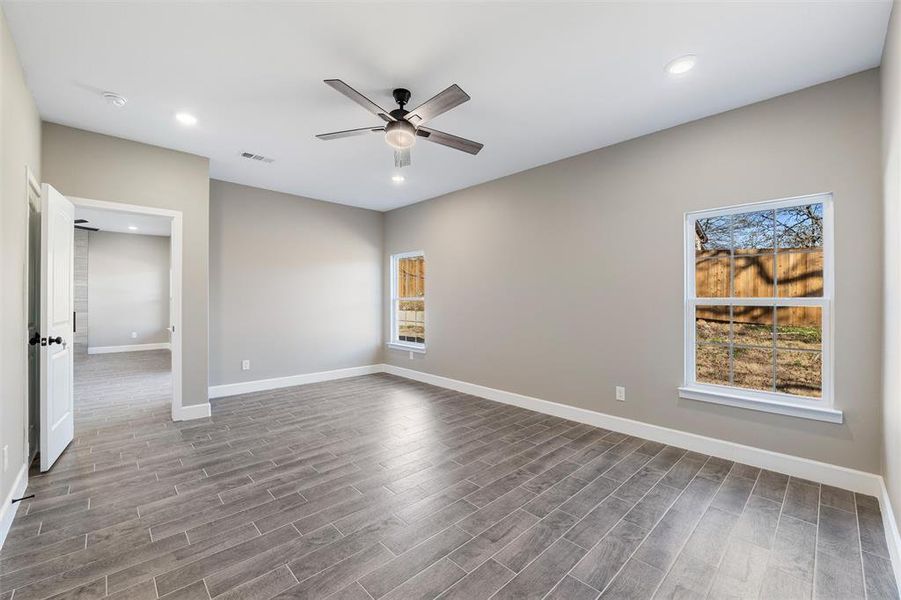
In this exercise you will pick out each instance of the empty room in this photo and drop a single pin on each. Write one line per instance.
(457, 300)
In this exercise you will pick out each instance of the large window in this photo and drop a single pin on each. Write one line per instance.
(758, 307)
(408, 300)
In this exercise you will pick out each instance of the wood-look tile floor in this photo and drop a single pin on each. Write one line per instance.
(379, 487)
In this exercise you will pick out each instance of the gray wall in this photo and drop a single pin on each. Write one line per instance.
(100, 167)
(20, 147)
(81, 291)
(566, 280)
(295, 284)
(128, 289)
(891, 163)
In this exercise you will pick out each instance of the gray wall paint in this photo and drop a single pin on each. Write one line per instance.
(891, 164)
(81, 291)
(564, 281)
(295, 284)
(20, 147)
(100, 167)
(128, 289)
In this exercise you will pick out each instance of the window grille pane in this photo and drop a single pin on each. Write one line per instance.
(800, 227)
(800, 273)
(712, 274)
(411, 321)
(713, 233)
(712, 364)
(753, 326)
(799, 373)
(754, 232)
(712, 324)
(799, 327)
(753, 274)
(411, 277)
(752, 368)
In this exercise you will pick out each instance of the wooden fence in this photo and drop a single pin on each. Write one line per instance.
(796, 272)
(411, 277)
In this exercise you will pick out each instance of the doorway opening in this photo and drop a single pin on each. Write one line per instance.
(123, 274)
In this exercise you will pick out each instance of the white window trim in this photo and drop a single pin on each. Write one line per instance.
(393, 342)
(821, 409)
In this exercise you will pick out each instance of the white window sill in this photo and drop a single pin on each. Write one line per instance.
(418, 348)
(729, 398)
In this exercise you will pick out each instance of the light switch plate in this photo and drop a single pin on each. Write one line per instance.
(621, 393)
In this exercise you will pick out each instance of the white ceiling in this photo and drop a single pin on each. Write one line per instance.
(110, 220)
(547, 80)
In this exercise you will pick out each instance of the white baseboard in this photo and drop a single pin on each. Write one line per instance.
(892, 536)
(129, 348)
(261, 385)
(192, 411)
(849, 479)
(8, 510)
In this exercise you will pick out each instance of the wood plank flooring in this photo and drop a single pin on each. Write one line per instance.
(382, 488)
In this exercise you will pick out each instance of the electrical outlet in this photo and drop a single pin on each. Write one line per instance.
(621, 393)
(245, 365)
(5, 457)
(134, 335)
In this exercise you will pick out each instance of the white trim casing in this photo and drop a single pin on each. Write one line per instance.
(33, 185)
(726, 396)
(192, 411)
(8, 510)
(260, 385)
(128, 348)
(821, 409)
(892, 535)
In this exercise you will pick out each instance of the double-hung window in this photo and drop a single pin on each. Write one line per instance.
(758, 307)
(408, 301)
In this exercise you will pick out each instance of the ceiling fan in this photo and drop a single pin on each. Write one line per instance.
(402, 127)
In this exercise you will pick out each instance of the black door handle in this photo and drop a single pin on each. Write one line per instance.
(35, 339)
(57, 340)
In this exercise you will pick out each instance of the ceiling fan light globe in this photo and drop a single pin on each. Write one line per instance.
(400, 135)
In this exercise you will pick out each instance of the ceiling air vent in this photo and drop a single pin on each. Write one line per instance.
(257, 157)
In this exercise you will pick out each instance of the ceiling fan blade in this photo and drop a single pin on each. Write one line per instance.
(443, 102)
(360, 99)
(86, 228)
(349, 133)
(451, 141)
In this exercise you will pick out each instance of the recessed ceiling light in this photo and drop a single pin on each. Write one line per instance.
(681, 65)
(397, 178)
(115, 99)
(186, 118)
(132, 228)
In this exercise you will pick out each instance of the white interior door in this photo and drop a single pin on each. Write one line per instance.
(57, 306)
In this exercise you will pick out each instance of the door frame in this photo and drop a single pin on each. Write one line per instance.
(175, 263)
(32, 184)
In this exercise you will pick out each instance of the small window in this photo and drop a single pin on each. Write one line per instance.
(758, 307)
(408, 300)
